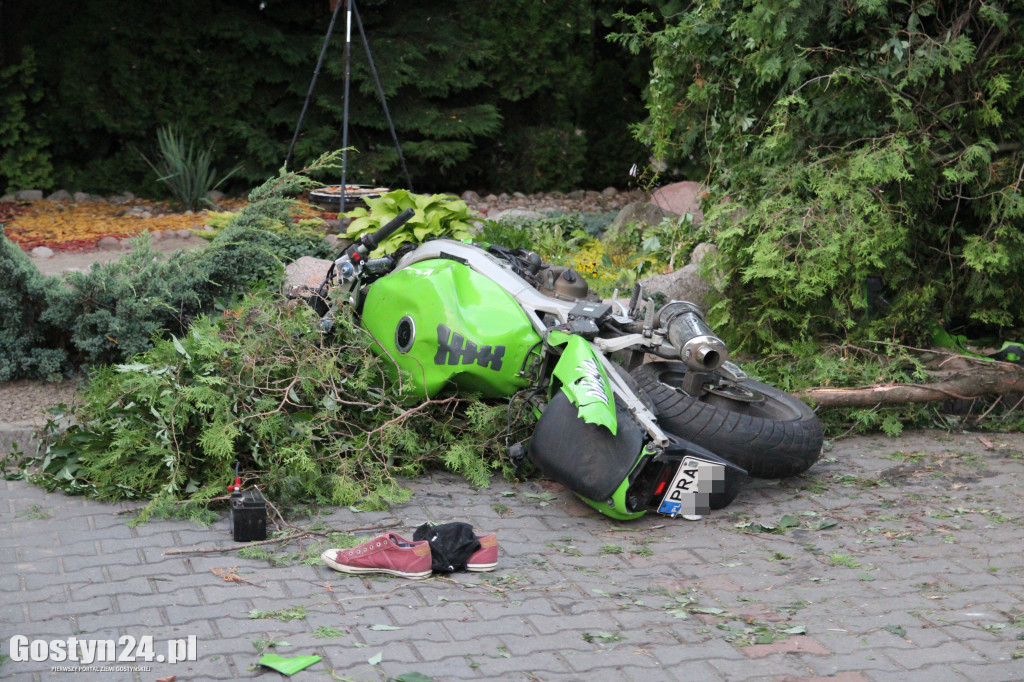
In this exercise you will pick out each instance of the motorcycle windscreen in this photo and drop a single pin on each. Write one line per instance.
(586, 458)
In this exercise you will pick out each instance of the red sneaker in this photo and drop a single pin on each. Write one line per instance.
(388, 553)
(485, 558)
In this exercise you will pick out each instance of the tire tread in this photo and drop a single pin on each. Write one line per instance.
(765, 447)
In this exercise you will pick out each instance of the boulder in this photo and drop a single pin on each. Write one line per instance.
(110, 244)
(29, 195)
(687, 283)
(305, 275)
(680, 198)
(42, 252)
(641, 212)
(81, 197)
(60, 195)
(337, 242)
(470, 197)
(702, 251)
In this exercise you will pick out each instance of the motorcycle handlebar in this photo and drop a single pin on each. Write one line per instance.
(696, 342)
(372, 240)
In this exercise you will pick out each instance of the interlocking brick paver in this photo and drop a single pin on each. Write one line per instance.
(988, 672)
(950, 652)
(935, 596)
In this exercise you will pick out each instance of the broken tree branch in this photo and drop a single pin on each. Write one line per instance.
(980, 379)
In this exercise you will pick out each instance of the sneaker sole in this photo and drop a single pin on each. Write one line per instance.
(481, 568)
(357, 570)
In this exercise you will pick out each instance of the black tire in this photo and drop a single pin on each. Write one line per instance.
(770, 433)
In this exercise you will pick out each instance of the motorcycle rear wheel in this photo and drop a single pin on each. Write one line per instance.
(766, 431)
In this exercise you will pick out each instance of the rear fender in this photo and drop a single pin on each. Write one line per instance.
(584, 380)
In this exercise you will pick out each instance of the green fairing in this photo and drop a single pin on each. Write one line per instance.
(584, 380)
(618, 509)
(470, 335)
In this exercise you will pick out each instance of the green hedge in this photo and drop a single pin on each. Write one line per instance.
(85, 96)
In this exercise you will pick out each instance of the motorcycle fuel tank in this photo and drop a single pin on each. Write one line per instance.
(447, 326)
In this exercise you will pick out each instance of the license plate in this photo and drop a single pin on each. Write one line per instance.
(689, 492)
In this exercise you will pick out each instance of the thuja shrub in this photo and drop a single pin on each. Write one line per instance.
(309, 417)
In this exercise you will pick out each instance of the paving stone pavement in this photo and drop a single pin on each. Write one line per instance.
(894, 559)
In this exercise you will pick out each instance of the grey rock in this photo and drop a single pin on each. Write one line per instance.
(184, 234)
(685, 284)
(703, 250)
(110, 244)
(470, 197)
(215, 195)
(29, 195)
(7, 198)
(304, 276)
(337, 242)
(42, 252)
(576, 195)
(60, 195)
(512, 214)
(609, 192)
(80, 197)
(641, 212)
(122, 198)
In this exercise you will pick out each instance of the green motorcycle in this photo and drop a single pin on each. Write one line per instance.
(677, 436)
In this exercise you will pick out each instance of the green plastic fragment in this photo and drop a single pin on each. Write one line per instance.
(289, 665)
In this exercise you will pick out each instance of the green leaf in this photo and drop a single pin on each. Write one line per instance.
(178, 347)
(788, 521)
(376, 659)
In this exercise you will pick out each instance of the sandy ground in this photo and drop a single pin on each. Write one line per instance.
(81, 261)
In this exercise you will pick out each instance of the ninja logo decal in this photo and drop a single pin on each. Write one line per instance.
(454, 349)
(591, 383)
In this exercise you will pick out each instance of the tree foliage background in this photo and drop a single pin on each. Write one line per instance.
(863, 159)
(516, 95)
